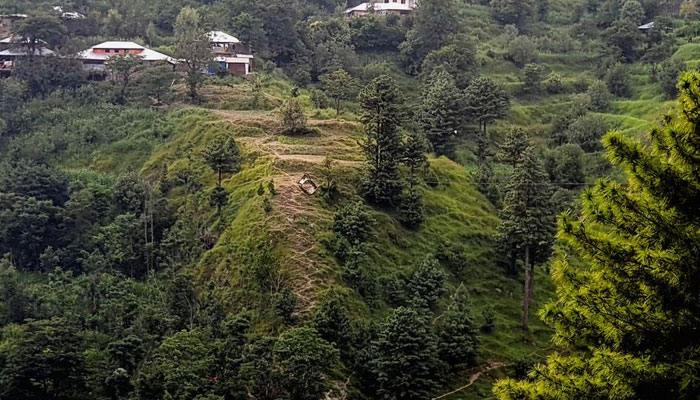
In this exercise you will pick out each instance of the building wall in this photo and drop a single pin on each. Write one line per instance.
(237, 69)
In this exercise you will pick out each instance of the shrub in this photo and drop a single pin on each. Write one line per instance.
(489, 317)
(354, 223)
(286, 304)
(553, 84)
(617, 79)
(522, 51)
(452, 255)
(427, 283)
(587, 131)
(599, 95)
(293, 120)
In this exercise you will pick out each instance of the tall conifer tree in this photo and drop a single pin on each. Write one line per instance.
(527, 230)
(627, 319)
(381, 115)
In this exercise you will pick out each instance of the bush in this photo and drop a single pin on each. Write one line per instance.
(667, 76)
(617, 79)
(353, 223)
(522, 51)
(452, 255)
(532, 78)
(427, 283)
(599, 96)
(587, 131)
(286, 304)
(292, 118)
(553, 84)
(489, 317)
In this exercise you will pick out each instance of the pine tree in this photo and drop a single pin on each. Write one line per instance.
(485, 102)
(527, 227)
(458, 339)
(338, 86)
(627, 319)
(381, 114)
(411, 209)
(514, 145)
(441, 112)
(222, 155)
(406, 356)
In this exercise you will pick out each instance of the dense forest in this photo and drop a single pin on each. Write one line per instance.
(470, 199)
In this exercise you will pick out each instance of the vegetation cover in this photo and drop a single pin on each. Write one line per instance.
(157, 239)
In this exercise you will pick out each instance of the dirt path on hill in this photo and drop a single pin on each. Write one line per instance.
(475, 376)
(295, 215)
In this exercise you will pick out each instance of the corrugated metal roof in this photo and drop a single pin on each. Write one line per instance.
(118, 45)
(23, 52)
(221, 37)
(381, 7)
(146, 54)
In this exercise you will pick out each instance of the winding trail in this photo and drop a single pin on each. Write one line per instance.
(475, 376)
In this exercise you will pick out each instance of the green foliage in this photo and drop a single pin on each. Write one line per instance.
(124, 67)
(440, 113)
(564, 165)
(222, 155)
(434, 23)
(192, 48)
(554, 84)
(181, 368)
(617, 314)
(411, 210)
(42, 76)
(489, 317)
(514, 146)
(156, 82)
(44, 359)
(376, 33)
(286, 304)
(354, 223)
(454, 256)
(485, 102)
(292, 118)
(532, 78)
(381, 107)
(39, 29)
(527, 229)
(458, 340)
(587, 132)
(617, 79)
(512, 11)
(406, 356)
(458, 60)
(338, 86)
(331, 320)
(305, 362)
(484, 179)
(667, 76)
(522, 51)
(600, 96)
(427, 283)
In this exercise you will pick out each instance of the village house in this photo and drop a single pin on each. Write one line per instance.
(230, 54)
(384, 7)
(12, 48)
(95, 58)
(6, 22)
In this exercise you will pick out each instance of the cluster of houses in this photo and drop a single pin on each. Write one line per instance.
(228, 53)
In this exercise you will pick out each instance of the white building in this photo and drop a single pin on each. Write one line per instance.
(383, 7)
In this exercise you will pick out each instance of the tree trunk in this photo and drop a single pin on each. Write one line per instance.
(527, 291)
